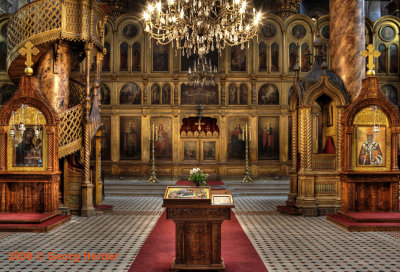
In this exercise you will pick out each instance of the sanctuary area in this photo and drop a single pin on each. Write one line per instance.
(221, 135)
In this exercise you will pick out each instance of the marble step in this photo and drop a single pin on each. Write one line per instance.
(132, 187)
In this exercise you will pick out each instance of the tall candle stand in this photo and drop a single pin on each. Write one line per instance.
(247, 138)
(153, 137)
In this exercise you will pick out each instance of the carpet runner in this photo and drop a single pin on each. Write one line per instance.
(158, 252)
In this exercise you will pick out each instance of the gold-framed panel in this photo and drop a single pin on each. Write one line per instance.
(31, 117)
(209, 151)
(188, 147)
(367, 118)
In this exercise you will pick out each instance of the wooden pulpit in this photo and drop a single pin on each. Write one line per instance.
(198, 213)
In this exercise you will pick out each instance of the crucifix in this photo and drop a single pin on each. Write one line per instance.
(200, 109)
(370, 54)
(28, 50)
(199, 124)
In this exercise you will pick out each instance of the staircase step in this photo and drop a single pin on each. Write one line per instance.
(132, 187)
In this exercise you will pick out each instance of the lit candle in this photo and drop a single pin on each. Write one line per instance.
(152, 133)
(245, 134)
(156, 134)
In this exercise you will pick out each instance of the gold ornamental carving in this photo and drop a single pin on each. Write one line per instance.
(70, 20)
(10, 156)
(29, 115)
(371, 117)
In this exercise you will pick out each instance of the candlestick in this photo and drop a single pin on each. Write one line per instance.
(247, 178)
(153, 178)
(249, 134)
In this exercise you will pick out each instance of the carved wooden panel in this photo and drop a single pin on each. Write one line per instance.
(215, 213)
(197, 243)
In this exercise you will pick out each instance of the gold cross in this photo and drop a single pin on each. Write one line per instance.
(370, 54)
(199, 125)
(28, 50)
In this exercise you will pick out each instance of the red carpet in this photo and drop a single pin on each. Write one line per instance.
(353, 225)
(36, 227)
(210, 182)
(158, 252)
(374, 216)
(103, 207)
(288, 210)
(25, 217)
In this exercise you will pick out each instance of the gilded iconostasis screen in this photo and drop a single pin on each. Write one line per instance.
(236, 144)
(268, 138)
(130, 134)
(163, 139)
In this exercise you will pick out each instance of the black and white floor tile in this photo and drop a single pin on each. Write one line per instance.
(284, 243)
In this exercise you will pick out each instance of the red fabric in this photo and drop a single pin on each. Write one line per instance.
(376, 216)
(103, 207)
(329, 146)
(288, 210)
(158, 252)
(343, 220)
(38, 226)
(189, 183)
(24, 217)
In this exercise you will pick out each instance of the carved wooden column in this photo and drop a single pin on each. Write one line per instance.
(294, 140)
(87, 186)
(347, 40)
(3, 145)
(145, 92)
(3, 197)
(176, 91)
(339, 137)
(98, 179)
(253, 90)
(222, 78)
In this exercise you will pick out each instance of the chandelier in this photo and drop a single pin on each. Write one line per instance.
(200, 26)
(203, 73)
(286, 8)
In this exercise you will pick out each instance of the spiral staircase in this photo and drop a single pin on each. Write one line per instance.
(78, 24)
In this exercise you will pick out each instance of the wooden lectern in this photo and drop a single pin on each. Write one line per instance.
(198, 213)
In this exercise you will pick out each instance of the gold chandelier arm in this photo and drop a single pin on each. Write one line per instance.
(202, 25)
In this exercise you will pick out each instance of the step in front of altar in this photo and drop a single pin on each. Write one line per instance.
(31, 222)
(366, 221)
(132, 186)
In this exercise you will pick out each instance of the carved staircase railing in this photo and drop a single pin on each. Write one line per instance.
(43, 22)
(77, 93)
(71, 131)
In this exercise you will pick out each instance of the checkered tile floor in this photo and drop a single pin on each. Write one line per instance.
(285, 243)
(294, 243)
